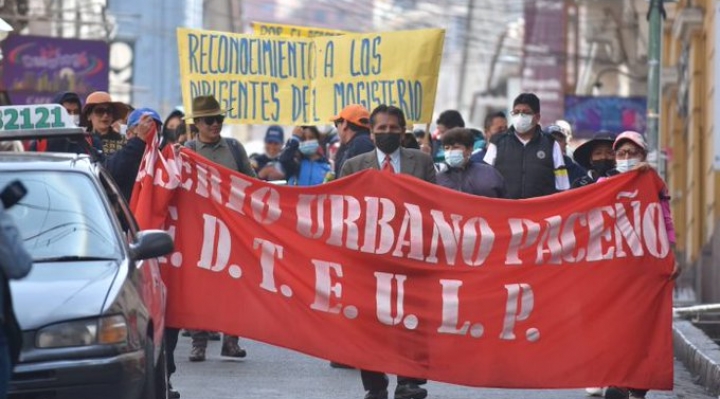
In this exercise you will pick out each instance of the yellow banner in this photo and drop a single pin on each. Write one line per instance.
(379, 68)
(267, 80)
(267, 29)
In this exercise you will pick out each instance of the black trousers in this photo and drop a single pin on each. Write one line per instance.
(374, 381)
(171, 340)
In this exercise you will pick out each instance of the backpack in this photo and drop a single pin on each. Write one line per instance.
(231, 142)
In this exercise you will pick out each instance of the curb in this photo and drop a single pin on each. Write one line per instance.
(699, 354)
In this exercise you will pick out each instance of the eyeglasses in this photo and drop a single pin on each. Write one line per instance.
(210, 120)
(631, 153)
(102, 111)
(339, 122)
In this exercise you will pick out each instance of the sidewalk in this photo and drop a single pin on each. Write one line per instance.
(699, 355)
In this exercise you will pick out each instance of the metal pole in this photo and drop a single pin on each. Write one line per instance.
(697, 309)
(466, 51)
(656, 14)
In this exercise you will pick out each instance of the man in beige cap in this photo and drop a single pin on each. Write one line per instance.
(98, 114)
(208, 117)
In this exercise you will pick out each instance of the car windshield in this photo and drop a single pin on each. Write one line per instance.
(62, 216)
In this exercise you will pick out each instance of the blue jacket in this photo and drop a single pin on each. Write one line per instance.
(311, 173)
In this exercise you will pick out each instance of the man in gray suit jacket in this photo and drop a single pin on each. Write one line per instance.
(387, 124)
(387, 134)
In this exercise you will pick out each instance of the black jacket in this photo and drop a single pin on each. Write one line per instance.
(528, 169)
(359, 144)
(124, 164)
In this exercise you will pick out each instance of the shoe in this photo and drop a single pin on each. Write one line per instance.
(616, 393)
(594, 392)
(214, 336)
(197, 354)
(377, 394)
(340, 366)
(172, 394)
(186, 333)
(233, 350)
(410, 391)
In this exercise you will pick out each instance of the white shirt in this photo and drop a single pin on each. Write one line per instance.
(394, 159)
(562, 182)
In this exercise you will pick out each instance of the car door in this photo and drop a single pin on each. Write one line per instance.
(150, 283)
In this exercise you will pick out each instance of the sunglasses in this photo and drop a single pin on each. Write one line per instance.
(209, 120)
(102, 111)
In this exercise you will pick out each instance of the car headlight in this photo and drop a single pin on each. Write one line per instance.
(105, 330)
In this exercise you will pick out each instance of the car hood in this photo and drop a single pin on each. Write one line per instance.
(55, 292)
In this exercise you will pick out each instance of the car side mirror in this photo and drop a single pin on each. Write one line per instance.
(151, 244)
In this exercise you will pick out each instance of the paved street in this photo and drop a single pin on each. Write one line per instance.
(271, 372)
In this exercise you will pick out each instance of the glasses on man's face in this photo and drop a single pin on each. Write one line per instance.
(210, 120)
(102, 111)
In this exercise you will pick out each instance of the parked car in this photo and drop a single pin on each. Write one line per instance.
(92, 308)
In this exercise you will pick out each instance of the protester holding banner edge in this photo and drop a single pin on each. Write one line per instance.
(631, 152)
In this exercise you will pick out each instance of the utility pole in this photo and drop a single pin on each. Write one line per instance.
(466, 51)
(655, 16)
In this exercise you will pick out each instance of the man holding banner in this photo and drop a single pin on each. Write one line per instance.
(388, 126)
(208, 117)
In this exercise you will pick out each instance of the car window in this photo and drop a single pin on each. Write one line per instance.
(63, 215)
(120, 207)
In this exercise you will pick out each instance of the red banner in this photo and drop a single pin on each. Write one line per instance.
(386, 272)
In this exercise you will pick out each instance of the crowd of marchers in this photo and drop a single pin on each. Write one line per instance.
(512, 157)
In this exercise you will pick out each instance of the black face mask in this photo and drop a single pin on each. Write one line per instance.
(387, 142)
(169, 134)
(602, 166)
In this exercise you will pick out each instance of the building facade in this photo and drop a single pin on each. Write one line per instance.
(690, 131)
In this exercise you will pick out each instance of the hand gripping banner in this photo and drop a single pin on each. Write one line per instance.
(389, 273)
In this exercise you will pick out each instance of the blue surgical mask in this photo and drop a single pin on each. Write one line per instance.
(454, 158)
(625, 165)
(309, 147)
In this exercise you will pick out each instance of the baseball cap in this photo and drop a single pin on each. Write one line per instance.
(355, 114)
(137, 114)
(274, 134)
(630, 135)
(556, 130)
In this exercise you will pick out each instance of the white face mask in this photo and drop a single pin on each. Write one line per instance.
(76, 119)
(625, 165)
(123, 130)
(454, 158)
(522, 123)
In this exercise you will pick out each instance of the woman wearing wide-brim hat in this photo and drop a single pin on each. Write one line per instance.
(98, 115)
(597, 156)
